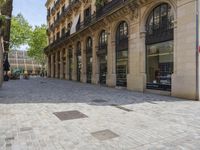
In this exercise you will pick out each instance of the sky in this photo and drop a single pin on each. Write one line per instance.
(34, 11)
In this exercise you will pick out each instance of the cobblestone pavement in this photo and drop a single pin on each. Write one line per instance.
(113, 119)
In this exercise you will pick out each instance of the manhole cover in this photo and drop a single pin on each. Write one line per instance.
(99, 101)
(69, 115)
(25, 129)
(42, 82)
(122, 108)
(104, 135)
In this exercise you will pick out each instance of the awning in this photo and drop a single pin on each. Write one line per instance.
(73, 28)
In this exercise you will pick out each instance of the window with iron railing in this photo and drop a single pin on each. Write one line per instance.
(87, 15)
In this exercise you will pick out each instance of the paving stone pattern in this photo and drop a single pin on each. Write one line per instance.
(117, 119)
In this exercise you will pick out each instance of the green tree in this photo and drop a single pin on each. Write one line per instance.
(37, 43)
(20, 32)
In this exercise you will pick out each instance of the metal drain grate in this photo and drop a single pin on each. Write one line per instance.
(104, 135)
(122, 108)
(69, 115)
(99, 101)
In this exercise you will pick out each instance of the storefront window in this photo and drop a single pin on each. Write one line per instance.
(79, 58)
(122, 54)
(159, 48)
(160, 65)
(89, 59)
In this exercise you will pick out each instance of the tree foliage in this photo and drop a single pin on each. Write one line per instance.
(37, 43)
(20, 32)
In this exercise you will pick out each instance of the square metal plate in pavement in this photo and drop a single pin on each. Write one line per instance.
(69, 115)
(104, 135)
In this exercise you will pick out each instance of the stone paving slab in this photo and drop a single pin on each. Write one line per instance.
(154, 123)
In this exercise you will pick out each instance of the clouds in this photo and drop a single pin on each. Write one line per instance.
(33, 10)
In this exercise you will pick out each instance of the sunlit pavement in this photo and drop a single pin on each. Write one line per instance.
(56, 114)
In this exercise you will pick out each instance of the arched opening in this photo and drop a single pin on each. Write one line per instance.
(122, 54)
(89, 59)
(79, 61)
(102, 56)
(159, 47)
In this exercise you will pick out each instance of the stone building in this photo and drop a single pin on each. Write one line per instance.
(6, 11)
(143, 45)
(20, 60)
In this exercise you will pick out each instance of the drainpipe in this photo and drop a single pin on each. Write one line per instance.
(197, 50)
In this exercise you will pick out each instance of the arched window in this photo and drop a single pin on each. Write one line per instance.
(102, 56)
(159, 47)
(159, 26)
(89, 59)
(79, 63)
(103, 39)
(122, 54)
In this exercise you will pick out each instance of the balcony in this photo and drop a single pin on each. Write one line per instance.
(108, 7)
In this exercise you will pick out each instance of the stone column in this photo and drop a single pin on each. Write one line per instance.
(74, 70)
(136, 58)
(56, 65)
(111, 60)
(94, 60)
(52, 66)
(67, 65)
(184, 77)
(61, 65)
(83, 56)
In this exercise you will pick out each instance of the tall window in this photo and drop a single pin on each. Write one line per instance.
(122, 54)
(89, 59)
(79, 61)
(102, 56)
(103, 39)
(159, 47)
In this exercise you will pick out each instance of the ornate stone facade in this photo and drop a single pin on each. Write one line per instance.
(144, 45)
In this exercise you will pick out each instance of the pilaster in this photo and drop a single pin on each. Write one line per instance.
(184, 77)
(67, 65)
(83, 67)
(94, 60)
(111, 58)
(136, 61)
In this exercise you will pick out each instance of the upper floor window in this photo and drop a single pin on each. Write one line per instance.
(63, 8)
(89, 44)
(58, 15)
(78, 47)
(87, 12)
